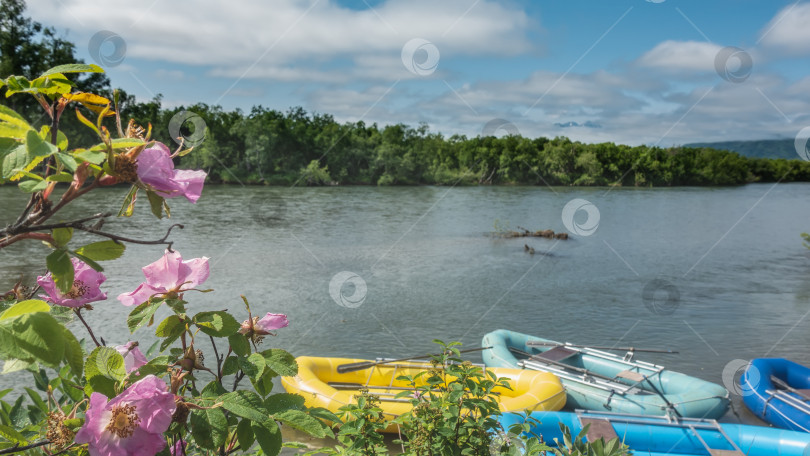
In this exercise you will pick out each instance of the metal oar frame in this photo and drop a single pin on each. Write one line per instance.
(611, 385)
(692, 424)
(786, 397)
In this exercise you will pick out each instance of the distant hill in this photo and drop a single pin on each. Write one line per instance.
(766, 148)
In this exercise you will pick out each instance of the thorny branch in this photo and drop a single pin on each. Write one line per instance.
(14, 233)
(19, 449)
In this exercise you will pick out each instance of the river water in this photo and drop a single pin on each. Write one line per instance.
(725, 267)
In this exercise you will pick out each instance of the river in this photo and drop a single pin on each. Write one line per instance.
(420, 263)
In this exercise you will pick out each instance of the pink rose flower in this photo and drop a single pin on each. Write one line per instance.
(168, 276)
(270, 322)
(132, 423)
(156, 169)
(263, 326)
(85, 289)
(133, 358)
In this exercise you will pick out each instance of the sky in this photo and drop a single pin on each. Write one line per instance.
(656, 72)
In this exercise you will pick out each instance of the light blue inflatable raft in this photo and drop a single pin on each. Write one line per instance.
(661, 436)
(598, 380)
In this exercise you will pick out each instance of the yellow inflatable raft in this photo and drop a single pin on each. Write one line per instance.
(322, 386)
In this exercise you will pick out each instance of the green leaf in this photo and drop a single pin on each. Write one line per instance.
(252, 366)
(32, 337)
(13, 125)
(15, 160)
(129, 202)
(239, 344)
(19, 419)
(90, 156)
(269, 436)
(62, 236)
(36, 177)
(15, 365)
(64, 315)
(61, 269)
(87, 123)
(213, 389)
(104, 369)
(7, 145)
(209, 427)
(244, 435)
(74, 355)
(119, 143)
(171, 325)
(61, 177)
(31, 186)
(324, 414)
(281, 362)
(280, 402)
(264, 384)
(36, 399)
(73, 68)
(246, 404)
(53, 84)
(37, 147)
(11, 434)
(61, 139)
(15, 84)
(156, 203)
(156, 366)
(25, 307)
(297, 419)
(177, 305)
(142, 313)
(172, 333)
(102, 250)
(68, 162)
(230, 366)
(217, 324)
(88, 261)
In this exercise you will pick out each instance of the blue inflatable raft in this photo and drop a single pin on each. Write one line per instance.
(598, 380)
(661, 436)
(778, 391)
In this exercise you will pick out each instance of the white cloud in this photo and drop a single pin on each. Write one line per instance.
(681, 56)
(788, 32)
(261, 39)
(345, 62)
(632, 106)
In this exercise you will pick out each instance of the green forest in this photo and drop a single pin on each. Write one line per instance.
(270, 147)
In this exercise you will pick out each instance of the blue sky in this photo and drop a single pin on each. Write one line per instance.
(661, 72)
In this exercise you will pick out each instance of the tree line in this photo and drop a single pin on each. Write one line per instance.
(267, 146)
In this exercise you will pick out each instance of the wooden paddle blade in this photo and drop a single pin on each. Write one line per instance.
(353, 367)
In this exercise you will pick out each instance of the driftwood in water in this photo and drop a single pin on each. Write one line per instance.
(531, 251)
(548, 234)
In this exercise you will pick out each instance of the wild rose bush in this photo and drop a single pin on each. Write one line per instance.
(120, 400)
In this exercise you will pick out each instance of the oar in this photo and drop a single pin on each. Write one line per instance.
(782, 384)
(538, 343)
(660, 394)
(594, 374)
(357, 386)
(563, 365)
(353, 367)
